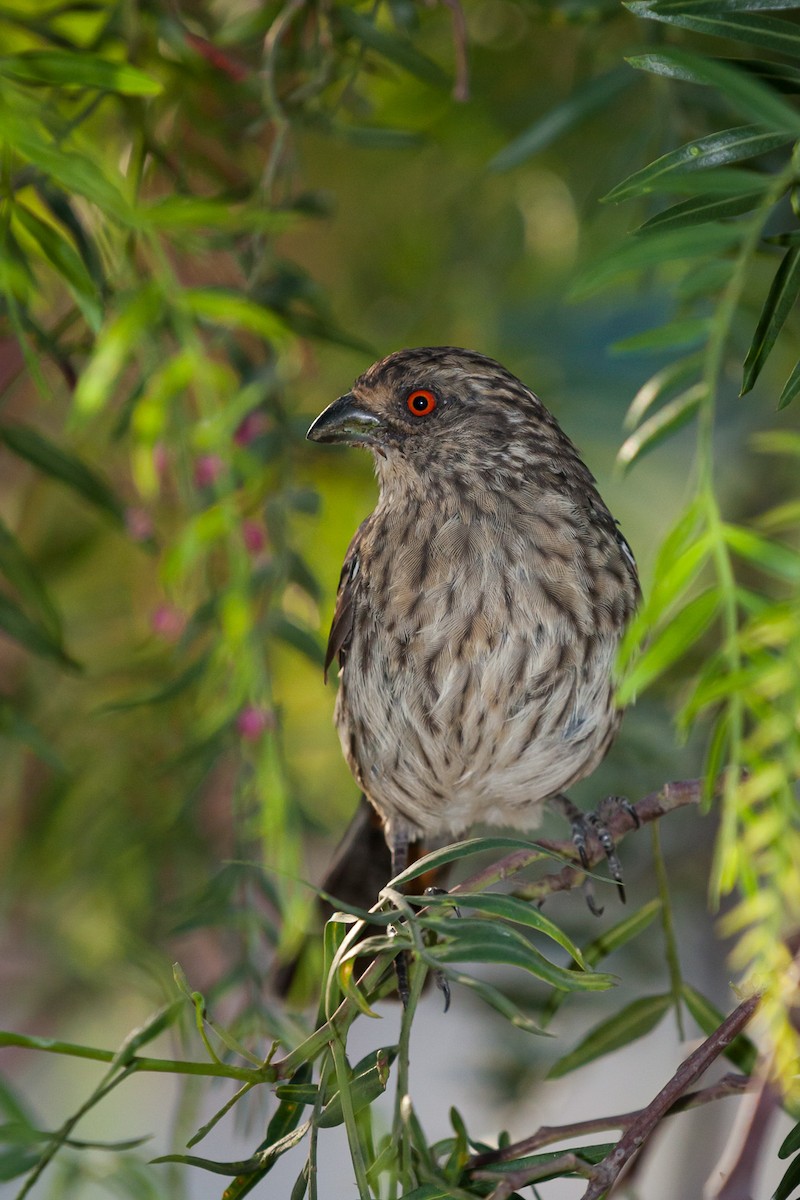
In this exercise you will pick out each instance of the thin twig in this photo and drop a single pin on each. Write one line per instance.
(547, 1135)
(606, 1173)
(671, 796)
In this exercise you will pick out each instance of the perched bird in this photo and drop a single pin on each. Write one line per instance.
(480, 605)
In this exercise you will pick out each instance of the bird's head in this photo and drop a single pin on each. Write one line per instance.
(440, 413)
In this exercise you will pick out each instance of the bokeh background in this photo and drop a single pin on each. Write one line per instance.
(170, 771)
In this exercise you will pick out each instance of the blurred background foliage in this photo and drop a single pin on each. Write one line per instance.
(214, 214)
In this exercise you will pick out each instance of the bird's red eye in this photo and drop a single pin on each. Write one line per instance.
(421, 402)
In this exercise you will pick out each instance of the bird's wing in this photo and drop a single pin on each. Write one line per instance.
(344, 614)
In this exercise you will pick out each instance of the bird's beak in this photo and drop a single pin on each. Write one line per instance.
(345, 421)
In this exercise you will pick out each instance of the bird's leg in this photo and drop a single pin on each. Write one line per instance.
(442, 982)
(398, 845)
(583, 824)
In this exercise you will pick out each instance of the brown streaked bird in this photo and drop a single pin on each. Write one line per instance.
(480, 605)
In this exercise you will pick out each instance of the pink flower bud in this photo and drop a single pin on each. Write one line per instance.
(253, 536)
(250, 427)
(168, 622)
(207, 470)
(139, 524)
(252, 722)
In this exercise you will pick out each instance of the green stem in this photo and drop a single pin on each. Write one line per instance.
(670, 944)
(348, 1112)
(165, 1066)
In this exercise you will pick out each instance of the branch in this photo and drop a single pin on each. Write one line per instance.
(650, 808)
(606, 1173)
(547, 1135)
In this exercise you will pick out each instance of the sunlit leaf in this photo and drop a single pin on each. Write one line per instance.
(671, 417)
(751, 98)
(56, 250)
(673, 641)
(116, 343)
(234, 311)
(530, 852)
(770, 556)
(583, 100)
(78, 70)
(663, 381)
(626, 1026)
(779, 303)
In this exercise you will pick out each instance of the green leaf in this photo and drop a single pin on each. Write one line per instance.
(510, 908)
(22, 575)
(787, 1188)
(770, 33)
(368, 1081)
(288, 631)
(467, 848)
(770, 556)
(670, 644)
(719, 6)
(665, 337)
(472, 940)
(496, 1000)
(700, 209)
(62, 465)
(56, 250)
(791, 388)
(30, 634)
(751, 98)
(791, 1143)
(581, 103)
(398, 50)
(663, 380)
(666, 421)
(138, 314)
(66, 165)
(78, 70)
(222, 306)
(626, 1026)
(779, 303)
(742, 1052)
(713, 150)
(643, 251)
(711, 277)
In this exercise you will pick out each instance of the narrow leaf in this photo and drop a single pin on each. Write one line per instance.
(496, 1000)
(770, 556)
(700, 209)
(742, 1051)
(62, 465)
(643, 251)
(396, 49)
(473, 940)
(791, 388)
(22, 575)
(713, 150)
(666, 421)
(30, 634)
(673, 641)
(664, 337)
(769, 33)
(78, 70)
(581, 103)
(368, 1081)
(779, 303)
(510, 908)
(663, 380)
(632, 1022)
(751, 98)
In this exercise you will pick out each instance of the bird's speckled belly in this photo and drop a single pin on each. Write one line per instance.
(442, 742)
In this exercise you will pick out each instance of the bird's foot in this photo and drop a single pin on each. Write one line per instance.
(584, 825)
(440, 979)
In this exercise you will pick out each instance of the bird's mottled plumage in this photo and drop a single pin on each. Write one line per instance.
(480, 605)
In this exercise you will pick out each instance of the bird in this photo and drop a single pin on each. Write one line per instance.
(480, 605)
